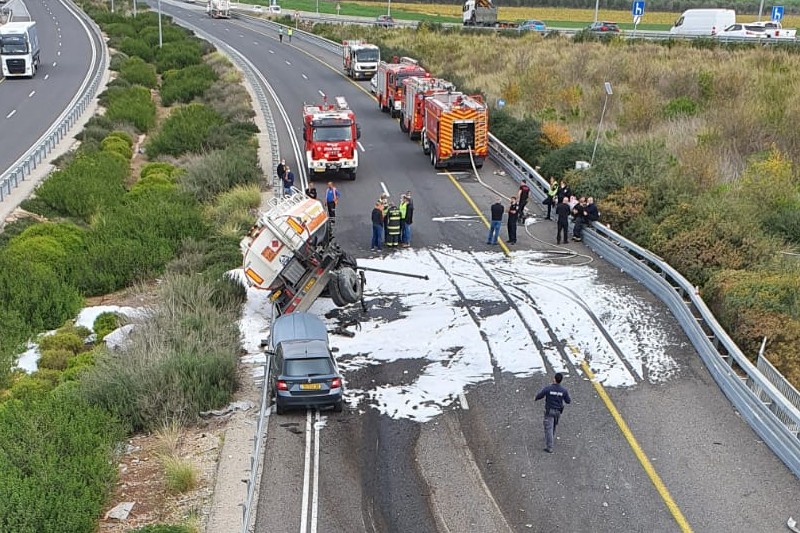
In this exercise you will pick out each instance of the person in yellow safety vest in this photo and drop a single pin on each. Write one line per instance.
(403, 210)
(393, 218)
(289, 33)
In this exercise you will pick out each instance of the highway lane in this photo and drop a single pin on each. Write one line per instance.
(28, 107)
(370, 477)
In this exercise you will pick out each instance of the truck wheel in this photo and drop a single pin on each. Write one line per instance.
(426, 146)
(349, 285)
(333, 289)
(403, 123)
(352, 175)
(347, 260)
(433, 154)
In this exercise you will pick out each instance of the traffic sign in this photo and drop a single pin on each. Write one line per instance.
(638, 8)
(777, 13)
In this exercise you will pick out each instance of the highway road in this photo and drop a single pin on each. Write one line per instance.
(28, 107)
(650, 445)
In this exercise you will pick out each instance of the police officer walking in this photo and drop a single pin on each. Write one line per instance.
(393, 218)
(555, 396)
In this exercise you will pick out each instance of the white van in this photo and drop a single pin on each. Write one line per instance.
(703, 21)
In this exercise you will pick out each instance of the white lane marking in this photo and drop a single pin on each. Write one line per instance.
(255, 43)
(227, 29)
(58, 53)
(287, 63)
(272, 51)
(385, 190)
(55, 63)
(463, 399)
(31, 93)
(304, 76)
(11, 114)
(360, 146)
(46, 76)
(315, 497)
(306, 471)
(322, 94)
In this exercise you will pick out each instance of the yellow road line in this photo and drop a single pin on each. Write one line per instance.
(469, 200)
(637, 450)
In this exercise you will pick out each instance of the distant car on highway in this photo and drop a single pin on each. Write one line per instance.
(384, 21)
(533, 25)
(603, 27)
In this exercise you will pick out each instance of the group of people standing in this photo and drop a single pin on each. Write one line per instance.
(332, 194)
(391, 223)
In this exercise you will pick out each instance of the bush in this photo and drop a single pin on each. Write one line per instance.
(177, 55)
(137, 72)
(117, 146)
(179, 362)
(162, 528)
(105, 323)
(235, 206)
(221, 171)
(186, 84)
(186, 130)
(133, 105)
(78, 365)
(56, 359)
(161, 168)
(137, 47)
(180, 474)
(69, 341)
(56, 467)
(682, 106)
(90, 183)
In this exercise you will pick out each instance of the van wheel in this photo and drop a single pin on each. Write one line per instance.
(333, 289)
(338, 407)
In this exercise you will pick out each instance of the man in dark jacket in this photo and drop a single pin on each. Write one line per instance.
(592, 214)
(281, 170)
(562, 220)
(581, 219)
(496, 222)
(377, 227)
(524, 193)
(405, 237)
(513, 213)
(311, 191)
(555, 396)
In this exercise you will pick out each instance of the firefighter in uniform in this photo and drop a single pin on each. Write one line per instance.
(393, 218)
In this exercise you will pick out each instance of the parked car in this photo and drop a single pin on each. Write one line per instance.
(384, 21)
(533, 25)
(603, 27)
(745, 31)
(303, 371)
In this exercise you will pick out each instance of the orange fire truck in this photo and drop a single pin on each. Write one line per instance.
(331, 133)
(455, 124)
(412, 110)
(390, 78)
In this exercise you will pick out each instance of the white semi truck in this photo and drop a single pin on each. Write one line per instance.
(19, 49)
(219, 9)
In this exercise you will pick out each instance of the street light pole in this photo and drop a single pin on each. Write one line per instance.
(389, 9)
(596, 9)
(134, 8)
(609, 92)
(160, 35)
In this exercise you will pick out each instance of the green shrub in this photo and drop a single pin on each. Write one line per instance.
(133, 105)
(232, 134)
(132, 46)
(123, 135)
(116, 30)
(26, 388)
(186, 130)
(186, 84)
(90, 183)
(682, 106)
(177, 55)
(221, 171)
(524, 137)
(236, 206)
(105, 323)
(96, 129)
(56, 359)
(62, 341)
(161, 168)
(137, 72)
(558, 161)
(117, 146)
(180, 362)
(78, 365)
(56, 466)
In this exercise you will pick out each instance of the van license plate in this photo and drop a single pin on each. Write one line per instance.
(310, 386)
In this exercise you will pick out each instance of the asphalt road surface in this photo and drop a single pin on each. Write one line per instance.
(28, 107)
(479, 466)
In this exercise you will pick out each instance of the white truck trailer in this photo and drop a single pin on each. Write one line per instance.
(219, 9)
(19, 49)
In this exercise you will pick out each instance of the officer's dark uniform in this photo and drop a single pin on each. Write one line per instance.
(555, 397)
(393, 217)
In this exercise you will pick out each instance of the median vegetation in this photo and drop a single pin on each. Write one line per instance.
(118, 212)
(696, 158)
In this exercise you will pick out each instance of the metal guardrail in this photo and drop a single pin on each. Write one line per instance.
(38, 153)
(255, 457)
(769, 412)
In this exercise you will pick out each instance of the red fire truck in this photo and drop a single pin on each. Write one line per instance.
(390, 78)
(412, 110)
(455, 125)
(331, 133)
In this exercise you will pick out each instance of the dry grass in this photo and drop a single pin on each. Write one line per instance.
(747, 100)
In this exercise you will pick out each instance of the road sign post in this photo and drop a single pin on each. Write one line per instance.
(637, 10)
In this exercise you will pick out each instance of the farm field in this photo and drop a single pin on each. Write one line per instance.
(557, 17)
